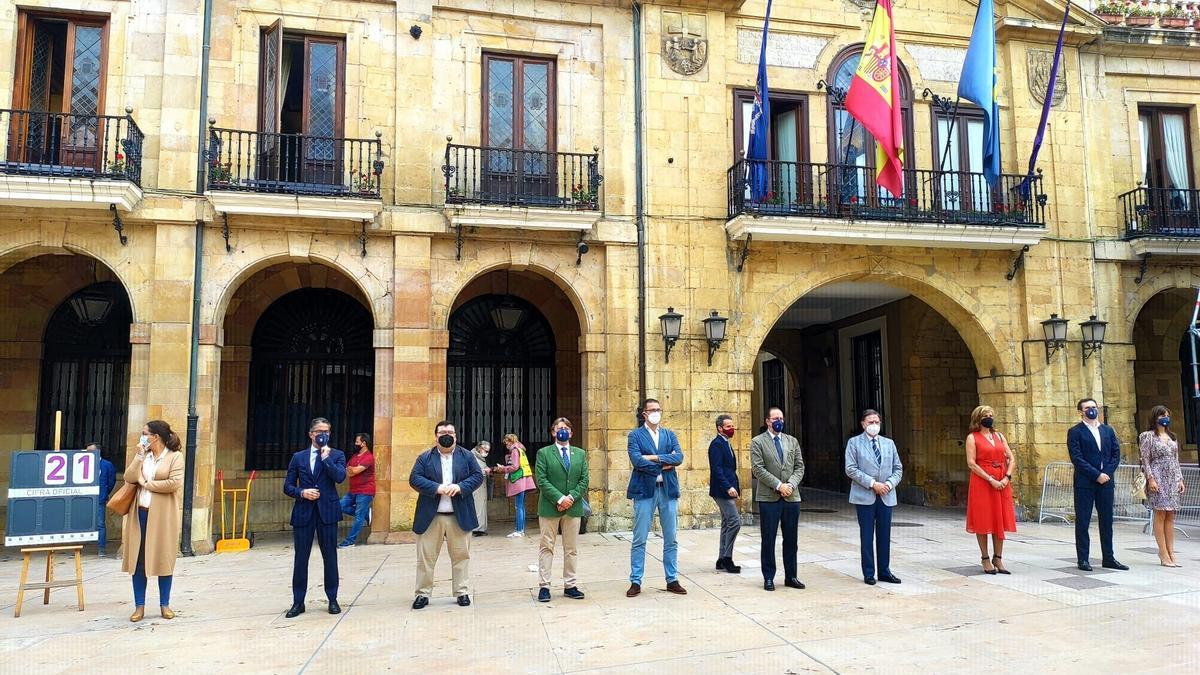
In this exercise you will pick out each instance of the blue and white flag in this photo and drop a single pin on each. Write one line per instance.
(760, 121)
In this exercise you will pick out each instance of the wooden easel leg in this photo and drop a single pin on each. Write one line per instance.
(49, 576)
(79, 576)
(21, 586)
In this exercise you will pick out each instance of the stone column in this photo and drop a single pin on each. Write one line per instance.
(381, 518)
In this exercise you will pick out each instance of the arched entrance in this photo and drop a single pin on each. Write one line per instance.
(1162, 369)
(849, 346)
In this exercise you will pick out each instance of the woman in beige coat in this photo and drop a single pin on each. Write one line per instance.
(150, 537)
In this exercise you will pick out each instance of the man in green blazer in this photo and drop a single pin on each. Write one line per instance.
(561, 474)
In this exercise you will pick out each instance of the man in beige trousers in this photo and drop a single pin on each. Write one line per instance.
(561, 474)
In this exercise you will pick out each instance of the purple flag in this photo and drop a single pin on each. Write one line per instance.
(1037, 140)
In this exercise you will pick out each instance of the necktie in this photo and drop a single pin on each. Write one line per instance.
(875, 447)
(779, 450)
(566, 459)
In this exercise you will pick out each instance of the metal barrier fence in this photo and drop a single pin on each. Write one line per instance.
(1058, 495)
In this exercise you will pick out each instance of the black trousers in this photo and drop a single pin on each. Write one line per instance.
(326, 536)
(1101, 497)
(772, 515)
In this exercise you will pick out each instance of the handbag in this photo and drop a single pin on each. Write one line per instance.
(122, 499)
(522, 470)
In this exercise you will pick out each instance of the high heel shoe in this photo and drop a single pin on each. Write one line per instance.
(999, 569)
(988, 561)
(138, 614)
(166, 612)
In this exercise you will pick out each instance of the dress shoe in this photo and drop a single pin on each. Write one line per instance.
(478, 534)
(987, 560)
(296, 610)
(889, 578)
(166, 612)
(793, 583)
(138, 614)
(334, 607)
(543, 595)
(870, 581)
(674, 587)
(768, 585)
(634, 591)
(731, 568)
(1114, 565)
(419, 602)
(720, 563)
(464, 601)
(573, 593)
(1085, 566)
(996, 563)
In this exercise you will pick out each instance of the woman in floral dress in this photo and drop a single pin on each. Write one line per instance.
(1164, 480)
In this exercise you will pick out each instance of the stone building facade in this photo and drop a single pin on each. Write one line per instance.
(389, 201)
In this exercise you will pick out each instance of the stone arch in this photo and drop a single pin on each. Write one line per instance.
(1146, 291)
(15, 254)
(575, 288)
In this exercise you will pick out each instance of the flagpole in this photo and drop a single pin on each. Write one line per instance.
(950, 134)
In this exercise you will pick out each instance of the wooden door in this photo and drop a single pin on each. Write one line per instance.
(323, 110)
(270, 103)
(518, 162)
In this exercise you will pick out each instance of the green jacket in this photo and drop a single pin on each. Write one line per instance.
(553, 481)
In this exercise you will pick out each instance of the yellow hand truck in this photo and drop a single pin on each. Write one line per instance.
(236, 543)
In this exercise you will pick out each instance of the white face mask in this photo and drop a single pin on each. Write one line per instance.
(654, 417)
(144, 441)
(872, 429)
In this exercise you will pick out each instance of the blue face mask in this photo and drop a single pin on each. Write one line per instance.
(322, 439)
(1165, 421)
(777, 426)
(562, 435)
(1092, 413)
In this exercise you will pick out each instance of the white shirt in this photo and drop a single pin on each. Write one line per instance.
(1094, 427)
(149, 466)
(314, 453)
(444, 504)
(654, 437)
(560, 447)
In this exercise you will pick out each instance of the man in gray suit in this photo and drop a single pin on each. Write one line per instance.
(873, 466)
(778, 468)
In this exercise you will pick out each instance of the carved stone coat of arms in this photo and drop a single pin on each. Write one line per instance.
(1038, 62)
(684, 47)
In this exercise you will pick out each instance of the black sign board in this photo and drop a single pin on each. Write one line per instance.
(53, 498)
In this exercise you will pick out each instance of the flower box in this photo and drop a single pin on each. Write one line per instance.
(1174, 22)
(1139, 21)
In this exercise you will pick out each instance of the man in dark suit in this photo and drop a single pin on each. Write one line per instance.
(312, 479)
(778, 467)
(724, 488)
(444, 478)
(1096, 453)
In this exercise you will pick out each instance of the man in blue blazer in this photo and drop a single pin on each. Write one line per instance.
(1096, 454)
(654, 453)
(444, 478)
(873, 466)
(724, 488)
(312, 478)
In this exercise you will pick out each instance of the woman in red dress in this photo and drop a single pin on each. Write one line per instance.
(990, 507)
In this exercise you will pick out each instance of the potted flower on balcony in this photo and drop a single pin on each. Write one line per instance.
(118, 166)
(363, 183)
(582, 196)
(1174, 17)
(1140, 17)
(220, 174)
(1111, 13)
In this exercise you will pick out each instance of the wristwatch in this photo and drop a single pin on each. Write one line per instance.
(1008, 477)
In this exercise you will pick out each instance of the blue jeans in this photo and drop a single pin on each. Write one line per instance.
(643, 515)
(519, 505)
(139, 575)
(358, 506)
(102, 530)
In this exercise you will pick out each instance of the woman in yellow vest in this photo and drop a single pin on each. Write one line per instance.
(520, 480)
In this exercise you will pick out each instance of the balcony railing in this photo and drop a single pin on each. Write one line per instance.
(294, 164)
(849, 192)
(507, 177)
(1164, 212)
(71, 146)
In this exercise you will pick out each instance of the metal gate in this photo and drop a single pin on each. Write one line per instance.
(311, 356)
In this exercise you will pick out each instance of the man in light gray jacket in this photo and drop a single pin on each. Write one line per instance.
(873, 466)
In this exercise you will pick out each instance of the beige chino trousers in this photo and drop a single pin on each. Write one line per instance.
(570, 539)
(429, 545)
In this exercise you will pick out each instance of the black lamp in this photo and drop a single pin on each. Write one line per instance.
(1054, 332)
(507, 315)
(1093, 335)
(671, 321)
(91, 306)
(714, 330)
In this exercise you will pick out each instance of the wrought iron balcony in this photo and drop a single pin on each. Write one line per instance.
(71, 146)
(1161, 212)
(293, 164)
(849, 192)
(507, 177)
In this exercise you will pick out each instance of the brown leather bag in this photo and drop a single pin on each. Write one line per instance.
(122, 499)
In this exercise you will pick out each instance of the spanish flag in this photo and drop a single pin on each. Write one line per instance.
(874, 99)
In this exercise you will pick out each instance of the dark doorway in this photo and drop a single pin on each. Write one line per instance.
(311, 356)
(85, 371)
(501, 376)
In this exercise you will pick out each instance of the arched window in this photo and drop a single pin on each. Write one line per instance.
(850, 145)
(311, 356)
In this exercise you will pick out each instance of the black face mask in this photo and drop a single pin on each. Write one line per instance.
(987, 422)
(446, 441)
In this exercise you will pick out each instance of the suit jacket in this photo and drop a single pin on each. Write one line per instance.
(1091, 461)
(426, 478)
(554, 481)
(722, 468)
(330, 471)
(768, 473)
(645, 474)
(107, 480)
(863, 470)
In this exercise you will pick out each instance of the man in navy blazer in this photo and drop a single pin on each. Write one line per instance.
(724, 488)
(1096, 453)
(312, 478)
(654, 453)
(444, 478)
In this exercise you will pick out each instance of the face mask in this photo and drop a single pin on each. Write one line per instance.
(872, 429)
(1165, 421)
(654, 417)
(1092, 413)
(144, 441)
(987, 422)
(322, 439)
(562, 435)
(777, 426)
(728, 433)
(446, 441)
